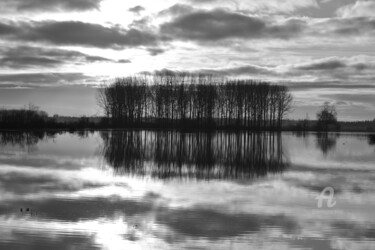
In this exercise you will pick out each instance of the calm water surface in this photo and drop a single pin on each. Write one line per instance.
(170, 190)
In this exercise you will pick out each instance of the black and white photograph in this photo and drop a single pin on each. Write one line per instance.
(190, 124)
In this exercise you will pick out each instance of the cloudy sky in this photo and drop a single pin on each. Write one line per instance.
(54, 52)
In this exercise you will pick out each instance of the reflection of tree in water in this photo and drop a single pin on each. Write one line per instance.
(24, 139)
(326, 142)
(29, 139)
(371, 139)
(197, 155)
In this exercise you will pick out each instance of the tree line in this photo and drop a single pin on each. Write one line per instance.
(170, 99)
(30, 117)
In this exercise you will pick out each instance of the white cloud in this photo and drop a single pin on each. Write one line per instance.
(266, 6)
(360, 8)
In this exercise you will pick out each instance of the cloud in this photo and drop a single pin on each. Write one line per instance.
(25, 56)
(325, 64)
(246, 70)
(142, 24)
(38, 79)
(336, 63)
(22, 184)
(358, 98)
(214, 225)
(155, 51)
(137, 9)
(360, 8)
(124, 61)
(261, 6)
(220, 24)
(352, 26)
(337, 72)
(28, 61)
(177, 10)
(334, 84)
(6, 29)
(49, 5)
(77, 33)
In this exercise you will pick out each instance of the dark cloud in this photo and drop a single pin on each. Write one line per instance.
(124, 61)
(324, 65)
(360, 66)
(302, 86)
(27, 61)
(31, 79)
(352, 26)
(25, 56)
(95, 58)
(78, 33)
(343, 27)
(335, 68)
(155, 51)
(49, 5)
(6, 29)
(220, 24)
(137, 9)
(247, 70)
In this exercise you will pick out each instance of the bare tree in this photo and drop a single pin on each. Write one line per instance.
(178, 98)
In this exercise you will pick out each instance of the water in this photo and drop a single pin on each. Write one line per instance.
(167, 190)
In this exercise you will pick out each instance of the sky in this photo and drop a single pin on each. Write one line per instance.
(55, 53)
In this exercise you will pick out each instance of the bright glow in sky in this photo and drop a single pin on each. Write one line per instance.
(322, 49)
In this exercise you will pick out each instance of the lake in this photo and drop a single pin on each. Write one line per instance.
(171, 190)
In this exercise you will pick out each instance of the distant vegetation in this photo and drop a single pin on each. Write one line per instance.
(327, 118)
(327, 121)
(32, 117)
(185, 100)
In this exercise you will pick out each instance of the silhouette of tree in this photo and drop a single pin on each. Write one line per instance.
(170, 99)
(327, 118)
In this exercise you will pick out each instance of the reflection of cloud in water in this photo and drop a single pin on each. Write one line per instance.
(214, 225)
(84, 206)
(353, 230)
(351, 152)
